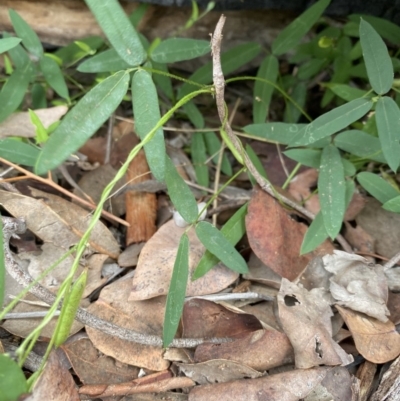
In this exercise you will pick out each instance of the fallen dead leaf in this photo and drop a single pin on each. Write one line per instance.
(276, 238)
(306, 319)
(261, 350)
(376, 341)
(357, 284)
(156, 262)
(288, 386)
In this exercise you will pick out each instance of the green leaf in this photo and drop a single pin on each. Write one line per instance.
(257, 164)
(383, 26)
(18, 152)
(233, 231)
(54, 77)
(2, 266)
(315, 235)
(180, 194)
(388, 122)
(231, 60)
(13, 92)
(118, 29)
(106, 61)
(377, 186)
(179, 49)
(177, 291)
(8, 43)
(311, 68)
(12, 379)
(345, 92)
(73, 52)
(332, 190)
(360, 144)
(276, 132)
(268, 70)
(38, 95)
(147, 114)
(377, 60)
(138, 13)
(348, 166)
(308, 157)
(29, 38)
(83, 121)
(332, 122)
(162, 81)
(213, 145)
(393, 205)
(220, 246)
(41, 132)
(289, 37)
(18, 54)
(299, 95)
(199, 158)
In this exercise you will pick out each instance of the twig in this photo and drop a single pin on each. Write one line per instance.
(219, 85)
(388, 265)
(64, 191)
(233, 297)
(13, 227)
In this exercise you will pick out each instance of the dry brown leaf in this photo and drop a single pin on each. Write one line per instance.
(261, 273)
(265, 313)
(366, 373)
(393, 278)
(306, 319)
(93, 367)
(288, 386)
(261, 350)
(276, 238)
(389, 388)
(217, 371)
(206, 319)
(156, 262)
(19, 124)
(394, 307)
(315, 275)
(145, 317)
(62, 223)
(376, 341)
(55, 383)
(359, 239)
(357, 284)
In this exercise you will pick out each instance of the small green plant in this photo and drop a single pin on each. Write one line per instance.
(363, 126)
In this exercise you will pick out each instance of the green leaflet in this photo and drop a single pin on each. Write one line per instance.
(308, 157)
(177, 291)
(262, 91)
(199, 157)
(18, 152)
(118, 29)
(360, 144)
(377, 187)
(332, 122)
(220, 246)
(332, 190)
(294, 32)
(377, 60)
(12, 379)
(388, 122)
(162, 81)
(2, 266)
(180, 194)
(13, 92)
(277, 132)
(257, 164)
(106, 61)
(213, 145)
(346, 92)
(8, 43)
(29, 38)
(315, 235)
(393, 205)
(233, 230)
(299, 95)
(147, 114)
(179, 49)
(53, 76)
(83, 121)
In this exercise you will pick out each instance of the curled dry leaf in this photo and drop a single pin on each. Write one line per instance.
(206, 319)
(288, 386)
(376, 341)
(156, 262)
(276, 238)
(357, 284)
(260, 350)
(306, 319)
(145, 317)
(19, 124)
(217, 371)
